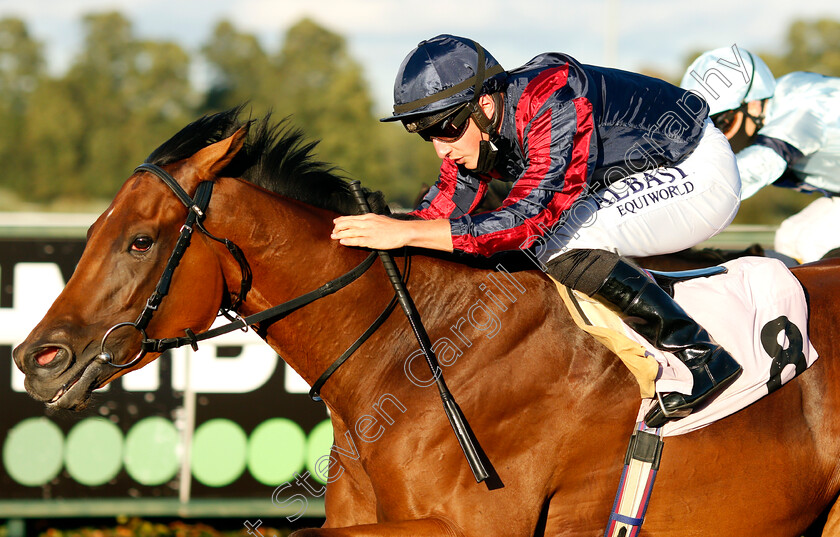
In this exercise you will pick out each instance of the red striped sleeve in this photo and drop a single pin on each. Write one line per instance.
(441, 206)
(573, 180)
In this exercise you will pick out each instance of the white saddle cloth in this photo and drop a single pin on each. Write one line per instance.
(756, 311)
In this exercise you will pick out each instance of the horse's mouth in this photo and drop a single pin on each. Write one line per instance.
(75, 393)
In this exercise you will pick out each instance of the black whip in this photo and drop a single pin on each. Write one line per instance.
(453, 412)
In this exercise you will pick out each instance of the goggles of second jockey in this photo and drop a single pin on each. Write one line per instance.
(724, 120)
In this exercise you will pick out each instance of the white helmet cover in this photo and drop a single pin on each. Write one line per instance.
(728, 77)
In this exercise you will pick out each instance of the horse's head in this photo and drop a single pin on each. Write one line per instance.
(68, 355)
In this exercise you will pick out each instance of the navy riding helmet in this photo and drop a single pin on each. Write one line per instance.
(437, 76)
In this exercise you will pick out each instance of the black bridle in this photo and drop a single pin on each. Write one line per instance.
(197, 208)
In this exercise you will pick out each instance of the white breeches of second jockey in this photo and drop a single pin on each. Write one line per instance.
(658, 211)
(811, 233)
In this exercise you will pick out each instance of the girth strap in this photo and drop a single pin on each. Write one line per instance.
(641, 464)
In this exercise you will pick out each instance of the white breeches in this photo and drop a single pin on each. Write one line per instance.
(658, 211)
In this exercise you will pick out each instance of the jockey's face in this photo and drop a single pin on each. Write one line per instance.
(464, 151)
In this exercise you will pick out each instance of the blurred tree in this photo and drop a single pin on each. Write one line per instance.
(117, 102)
(811, 46)
(21, 64)
(53, 144)
(22, 71)
(133, 93)
(771, 205)
(323, 90)
(411, 164)
(79, 134)
(240, 71)
(314, 82)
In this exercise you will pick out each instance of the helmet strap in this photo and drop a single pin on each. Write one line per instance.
(476, 81)
(488, 153)
(759, 119)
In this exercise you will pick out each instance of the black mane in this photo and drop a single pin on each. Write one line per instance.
(275, 157)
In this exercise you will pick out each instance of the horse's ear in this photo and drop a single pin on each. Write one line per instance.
(210, 161)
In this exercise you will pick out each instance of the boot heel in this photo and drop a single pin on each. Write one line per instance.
(682, 405)
(657, 416)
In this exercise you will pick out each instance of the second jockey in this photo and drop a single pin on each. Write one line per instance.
(785, 132)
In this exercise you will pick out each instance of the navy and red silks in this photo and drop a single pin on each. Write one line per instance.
(567, 128)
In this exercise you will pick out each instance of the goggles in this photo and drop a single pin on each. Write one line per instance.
(447, 127)
(724, 120)
(447, 131)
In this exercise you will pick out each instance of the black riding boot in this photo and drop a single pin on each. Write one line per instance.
(651, 312)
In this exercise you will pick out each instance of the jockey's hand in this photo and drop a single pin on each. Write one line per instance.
(383, 233)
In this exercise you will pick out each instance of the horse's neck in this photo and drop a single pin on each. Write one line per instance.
(289, 251)
(512, 323)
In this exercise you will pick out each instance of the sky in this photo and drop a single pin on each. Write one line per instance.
(654, 35)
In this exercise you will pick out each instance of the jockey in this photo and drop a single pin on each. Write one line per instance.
(604, 164)
(785, 132)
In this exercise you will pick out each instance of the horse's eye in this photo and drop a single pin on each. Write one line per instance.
(142, 244)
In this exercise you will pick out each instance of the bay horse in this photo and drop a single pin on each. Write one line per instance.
(549, 407)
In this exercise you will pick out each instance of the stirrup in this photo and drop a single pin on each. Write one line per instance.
(670, 414)
(716, 389)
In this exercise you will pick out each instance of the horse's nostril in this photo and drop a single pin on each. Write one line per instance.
(46, 356)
